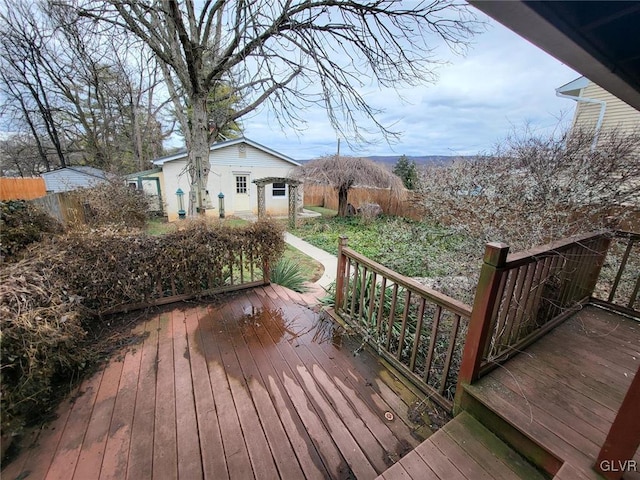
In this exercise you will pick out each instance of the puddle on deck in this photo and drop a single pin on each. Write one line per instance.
(288, 323)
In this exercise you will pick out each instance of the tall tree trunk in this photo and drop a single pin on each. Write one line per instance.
(342, 201)
(198, 154)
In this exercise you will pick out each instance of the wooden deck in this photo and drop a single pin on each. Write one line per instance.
(254, 386)
(556, 400)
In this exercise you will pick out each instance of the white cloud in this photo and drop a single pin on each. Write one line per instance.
(504, 81)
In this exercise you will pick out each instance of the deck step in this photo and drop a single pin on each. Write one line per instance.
(462, 449)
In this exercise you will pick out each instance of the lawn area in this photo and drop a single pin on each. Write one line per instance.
(310, 269)
(325, 212)
(157, 226)
(415, 249)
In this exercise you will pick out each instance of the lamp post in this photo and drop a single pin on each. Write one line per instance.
(181, 212)
(221, 204)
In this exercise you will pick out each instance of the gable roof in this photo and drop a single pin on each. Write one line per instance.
(573, 87)
(82, 169)
(227, 143)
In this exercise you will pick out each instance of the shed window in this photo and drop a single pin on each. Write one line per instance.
(279, 190)
(241, 184)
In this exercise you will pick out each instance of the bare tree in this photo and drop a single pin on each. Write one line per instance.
(84, 95)
(286, 55)
(24, 62)
(536, 188)
(342, 173)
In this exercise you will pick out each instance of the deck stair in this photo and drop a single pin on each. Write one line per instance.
(553, 404)
(463, 448)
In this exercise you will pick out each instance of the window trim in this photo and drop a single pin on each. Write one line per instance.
(246, 183)
(283, 189)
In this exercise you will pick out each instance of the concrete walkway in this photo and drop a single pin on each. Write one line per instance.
(329, 261)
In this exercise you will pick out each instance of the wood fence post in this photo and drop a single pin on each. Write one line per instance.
(340, 274)
(495, 257)
(616, 456)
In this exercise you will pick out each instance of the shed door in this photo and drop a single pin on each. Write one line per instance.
(241, 201)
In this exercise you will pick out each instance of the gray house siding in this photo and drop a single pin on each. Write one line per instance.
(72, 178)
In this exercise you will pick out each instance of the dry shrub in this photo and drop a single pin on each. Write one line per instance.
(110, 268)
(21, 224)
(534, 189)
(114, 203)
(40, 339)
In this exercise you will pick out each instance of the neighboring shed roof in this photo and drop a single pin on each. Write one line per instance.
(219, 145)
(71, 178)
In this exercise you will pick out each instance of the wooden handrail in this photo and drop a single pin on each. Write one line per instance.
(527, 256)
(407, 337)
(412, 285)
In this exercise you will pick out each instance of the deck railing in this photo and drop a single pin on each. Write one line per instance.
(419, 331)
(619, 283)
(240, 269)
(522, 296)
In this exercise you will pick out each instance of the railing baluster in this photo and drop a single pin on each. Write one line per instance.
(372, 298)
(251, 266)
(623, 265)
(416, 339)
(354, 289)
(363, 287)
(392, 314)
(403, 328)
(432, 342)
(347, 285)
(450, 352)
(383, 291)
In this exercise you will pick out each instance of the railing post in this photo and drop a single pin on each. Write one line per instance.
(341, 274)
(616, 455)
(266, 274)
(495, 257)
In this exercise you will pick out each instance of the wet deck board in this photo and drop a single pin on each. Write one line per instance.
(241, 388)
(566, 388)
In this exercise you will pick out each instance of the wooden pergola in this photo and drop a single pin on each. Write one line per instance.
(292, 186)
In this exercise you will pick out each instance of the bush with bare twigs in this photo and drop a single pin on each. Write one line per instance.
(533, 189)
(114, 203)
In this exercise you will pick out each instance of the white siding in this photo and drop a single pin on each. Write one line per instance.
(225, 162)
(618, 115)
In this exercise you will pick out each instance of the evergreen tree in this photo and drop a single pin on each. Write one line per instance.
(406, 169)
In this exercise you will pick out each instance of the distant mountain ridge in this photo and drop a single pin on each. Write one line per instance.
(418, 159)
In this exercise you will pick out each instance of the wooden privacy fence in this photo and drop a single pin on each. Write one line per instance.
(522, 296)
(416, 329)
(22, 188)
(405, 203)
(67, 207)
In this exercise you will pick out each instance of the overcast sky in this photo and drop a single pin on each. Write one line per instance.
(502, 83)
